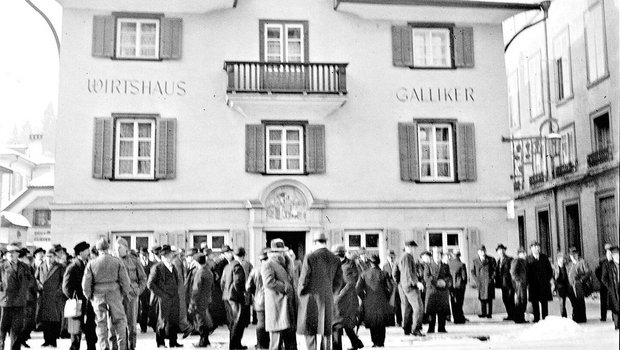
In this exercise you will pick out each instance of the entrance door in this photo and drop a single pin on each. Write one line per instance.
(573, 227)
(522, 233)
(296, 241)
(608, 229)
(543, 232)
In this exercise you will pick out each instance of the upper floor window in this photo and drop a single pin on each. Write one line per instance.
(284, 41)
(285, 149)
(568, 154)
(42, 218)
(135, 151)
(602, 132)
(435, 152)
(137, 38)
(431, 47)
(535, 86)
(562, 66)
(513, 100)
(596, 51)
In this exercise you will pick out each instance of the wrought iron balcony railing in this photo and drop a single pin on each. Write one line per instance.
(600, 156)
(537, 179)
(564, 169)
(272, 77)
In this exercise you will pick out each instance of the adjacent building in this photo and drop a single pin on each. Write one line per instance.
(563, 107)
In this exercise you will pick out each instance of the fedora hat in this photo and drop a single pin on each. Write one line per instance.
(277, 245)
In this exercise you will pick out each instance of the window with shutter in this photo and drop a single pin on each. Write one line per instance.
(103, 148)
(408, 151)
(466, 149)
(255, 148)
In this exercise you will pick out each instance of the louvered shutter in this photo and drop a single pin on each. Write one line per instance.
(419, 236)
(466, 151)
(463, 47)
(408, 151)
(103, 36)
(165, 153)
(171, 37)
(315, 149)
(402, 46)
(255, 148)
(103, 148)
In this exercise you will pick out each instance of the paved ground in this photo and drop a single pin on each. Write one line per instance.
(553, 333)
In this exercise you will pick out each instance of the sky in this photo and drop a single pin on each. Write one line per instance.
(28, 63)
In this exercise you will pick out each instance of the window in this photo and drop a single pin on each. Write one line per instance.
(136, 240)
(538, 157)
(284, 42)
(42, 218)
(567, 145)
(137, 38)
(596, 51)
(535, 89)
(431, 47)
(356, 240)
(214, 239)
(135, 148)
(447, 240)
(562, 66)
(513, 100)
(285, 149)
(602, 132)
(435, 152)
(522, 232)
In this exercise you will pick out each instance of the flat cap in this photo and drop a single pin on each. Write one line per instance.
(411, 243)
(320, 237)
(500, 246)
(80, 247)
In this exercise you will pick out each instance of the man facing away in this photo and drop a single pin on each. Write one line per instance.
(458, 270)
(388, 268)
(610, 277)
(320, 278)
(202, 285)
(410, 288)
(518, 273)
(578, 274)
(233, 295)
(504, 281)
(598, 271)
(346, 303)
(106, 284)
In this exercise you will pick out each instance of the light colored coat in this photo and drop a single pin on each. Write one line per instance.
(578, 273)
(279, 296)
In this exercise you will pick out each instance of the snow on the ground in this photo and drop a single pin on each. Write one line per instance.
(552, 327)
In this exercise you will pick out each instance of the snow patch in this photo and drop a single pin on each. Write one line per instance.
(552, 327)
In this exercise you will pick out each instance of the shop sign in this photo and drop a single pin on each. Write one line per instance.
(435, 95)
(42, 235)
(137, 87)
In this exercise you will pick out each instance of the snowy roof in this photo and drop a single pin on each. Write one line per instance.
(45, 180)
(8, 218)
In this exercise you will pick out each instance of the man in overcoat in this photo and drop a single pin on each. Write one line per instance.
(610, 277)
(560, 285)
(346, 304)
(30, 309)
(504, 281)
(254, 286)
(394, 306)
(145, 297)
(72, 288)
(410, 288)
(438, 282)
(518, 273)
(539, 279)
(13, 294)
(217, 308)
(233, 295)
(105, 284)
(51, 301)
(320, 278)
(178, 261)
(374, 288)
(202, 286)
(280, 308)
(483, 274)
(247, 268)
(598, 271)
(164, 285)
(578, 278)
(458, 271)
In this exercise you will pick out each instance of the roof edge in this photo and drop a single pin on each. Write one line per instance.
(446, 3)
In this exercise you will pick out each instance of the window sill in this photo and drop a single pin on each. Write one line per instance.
(284, 174)
(136, 59)
(598, 81)
(432, 68)
(564, 101)
(436, 182)
(133, 180)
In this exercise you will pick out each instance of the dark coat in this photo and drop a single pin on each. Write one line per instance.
(320, 279)
(437, 297)
(200, 297)
(502, 273)
(14, 284)
(346, 304)
(518, 272)
(72, 282)
(51, 301)
(539, 275)
(164, 286)
(395, 297)
(406, 273)
(609, 278)
(458, 270)
(254, 286)
(375, 287)
(578, 275)
(189, 283)
(216, 308)
(560, 281)
(233, 282)
(484, 275)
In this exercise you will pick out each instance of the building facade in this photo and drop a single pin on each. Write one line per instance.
(236, 122)
(566, 184)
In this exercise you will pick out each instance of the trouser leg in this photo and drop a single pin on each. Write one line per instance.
(262, 336)
(563, 306)
(101, 316)
(432, 319)
(16, 327)
(536, 310)
(326, 342)
(275, 340)
(460, 298)
(483, 307)
(76, 339)
(418, 309)
(407, 313)
(377, 336)
(337, 338)
(441, 323)
(144, 310)
(311, 342)
(356, 343)
(89, 328)
(508, 297)
(236, 326)
(544, 309)
(118, 318)
(397, 308)
(490, 307)
(615, 316)
(603, 302)
(130, 305)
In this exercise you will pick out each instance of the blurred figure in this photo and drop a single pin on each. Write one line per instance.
(246, 309)
(374, 288)
(438, 282)
(610, 277)
(13, 295)
(31, 298)
(518, 272)
(202, 285)
(39, 256)
(254, 286)
(483, 274)
(539, 279)
(144, 301)
(504, 281)
(560, 284)
(410, 288)
(395, 311)
(580, 285)
(346, 304)
(296, 263)
(51, 301)
(598, 271)
(233, 295)
(458, 271)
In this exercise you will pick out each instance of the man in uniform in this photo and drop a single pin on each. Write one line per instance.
(504, 281)
(233, 295)
(106, 284)
(410, 288)
(13, 276)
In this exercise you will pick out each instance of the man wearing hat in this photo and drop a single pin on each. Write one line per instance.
(247, 268)
(233, 295)
(410, 287)
(518, 273)
(374, 288)
(106, 284)
(254, 286)
(144, 300)
(163, 283)
(539, 277)
(504, 281)
(580, 284)
(280, 310)
(346, 304)
(388, 268)
(320, 278)
(39, 255)
(31, 298)
(51, 301)
(483, 274)
(610, 277)
(598, 271)
(72, 288)
(202, 285)
(458, 270)
(217, 308)
(13, 276)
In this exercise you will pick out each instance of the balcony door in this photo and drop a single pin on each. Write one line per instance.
(572, 227)
(284, 48)
(544, 234)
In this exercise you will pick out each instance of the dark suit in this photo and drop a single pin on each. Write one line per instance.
(72, 286)
(437, 296)
(598, 271)
(458, 270)
(374, 287)
(346, 307)
(164, 285)
(539, 275)
(51, 301)
(13, 295)
(504, 282)
(609, 277)
(233, 295)
(145, 298)
(484, 275)
(31, 305)
(200, 297)
(394, 298)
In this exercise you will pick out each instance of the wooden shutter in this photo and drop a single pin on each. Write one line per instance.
(463, 47)
(103, 148)
(170, 38)
(402, 46)
(394, 240)
(473, 242)
(165, 153)
(103, 36)
(408, 151)
(419, 236)
(315, 149)
(160, 238)
(466, 151)
(255, 148)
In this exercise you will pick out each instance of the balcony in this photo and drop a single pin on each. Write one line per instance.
(600, 156)
(564, 169)
(266, 88)
(537, 179)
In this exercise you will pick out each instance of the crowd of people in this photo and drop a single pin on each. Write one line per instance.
(111, 291)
